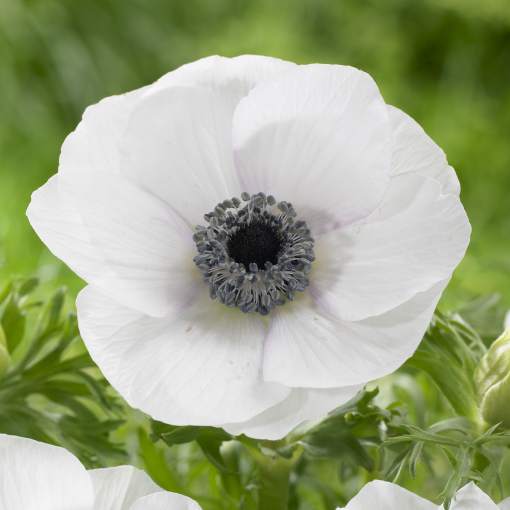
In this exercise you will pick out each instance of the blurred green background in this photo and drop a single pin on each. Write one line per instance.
(446, 62)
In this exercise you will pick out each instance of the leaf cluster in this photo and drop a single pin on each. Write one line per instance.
(50, 389)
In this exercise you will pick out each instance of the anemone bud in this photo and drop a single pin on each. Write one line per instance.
(493, 381)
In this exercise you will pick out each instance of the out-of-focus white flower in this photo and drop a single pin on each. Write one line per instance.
(38, 476)
(331, 219)
(389, 496)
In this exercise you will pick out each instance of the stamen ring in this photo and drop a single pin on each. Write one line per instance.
(253, 253)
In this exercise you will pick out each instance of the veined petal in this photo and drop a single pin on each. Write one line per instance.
(319, 137)
(307, 348)
(471, 497)
(414, 239)
(177, 146)
(119, 487)
(178, 141)
(146, 248)
(302, 404)
(119, 238)
(165, 501)
(413, 151)
(387, 496)
(199, 367)
(38, 476)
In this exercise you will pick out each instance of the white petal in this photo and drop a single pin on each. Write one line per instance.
(507, 320)
(387, 496)
(199, 367)
(302, 405)
(414, 239)
(119, 238)
(37, 476)
(119, 487)
(94, 144)
(177, 144)
(505, 504)
(413, 151)
(61, 228)
(306, 348)
(147, 250)
(319, 137)
(165, 501)
(470, 497)
(232, 77)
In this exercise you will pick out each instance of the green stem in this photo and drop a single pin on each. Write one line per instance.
(273, 479)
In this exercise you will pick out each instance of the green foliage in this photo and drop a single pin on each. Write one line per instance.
(450, 354)
(50, 390)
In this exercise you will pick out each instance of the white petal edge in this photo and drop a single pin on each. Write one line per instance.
(319, 137)
(146, 248)
(413, 151)
(505, 504)
(177, 143)
(307, 348)
(232, 77)
(177, 146)
(199, 367)
(415, 238)
(387, 496)
(117, 237)
(38, 476)
(302, 405)
(119, 487)
(165, 501)
(94, 144)
(471, 497)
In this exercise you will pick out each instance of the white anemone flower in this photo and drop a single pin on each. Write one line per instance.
(39, 476)
(389, 496)
(260, 239)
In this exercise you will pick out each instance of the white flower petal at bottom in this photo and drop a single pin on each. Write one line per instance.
(387, 496)
(38, 476)
(119, 487)
(165, 501)
(201, 367)
(303, 404)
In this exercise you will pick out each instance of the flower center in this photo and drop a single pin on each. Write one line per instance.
(253, 253)
(255, 243)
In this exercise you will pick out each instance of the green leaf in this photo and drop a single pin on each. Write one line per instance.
(155, 464)
(209, 439)
(13, 323)
(28, 286)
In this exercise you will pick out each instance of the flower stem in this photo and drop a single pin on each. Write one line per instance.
(273, 479)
